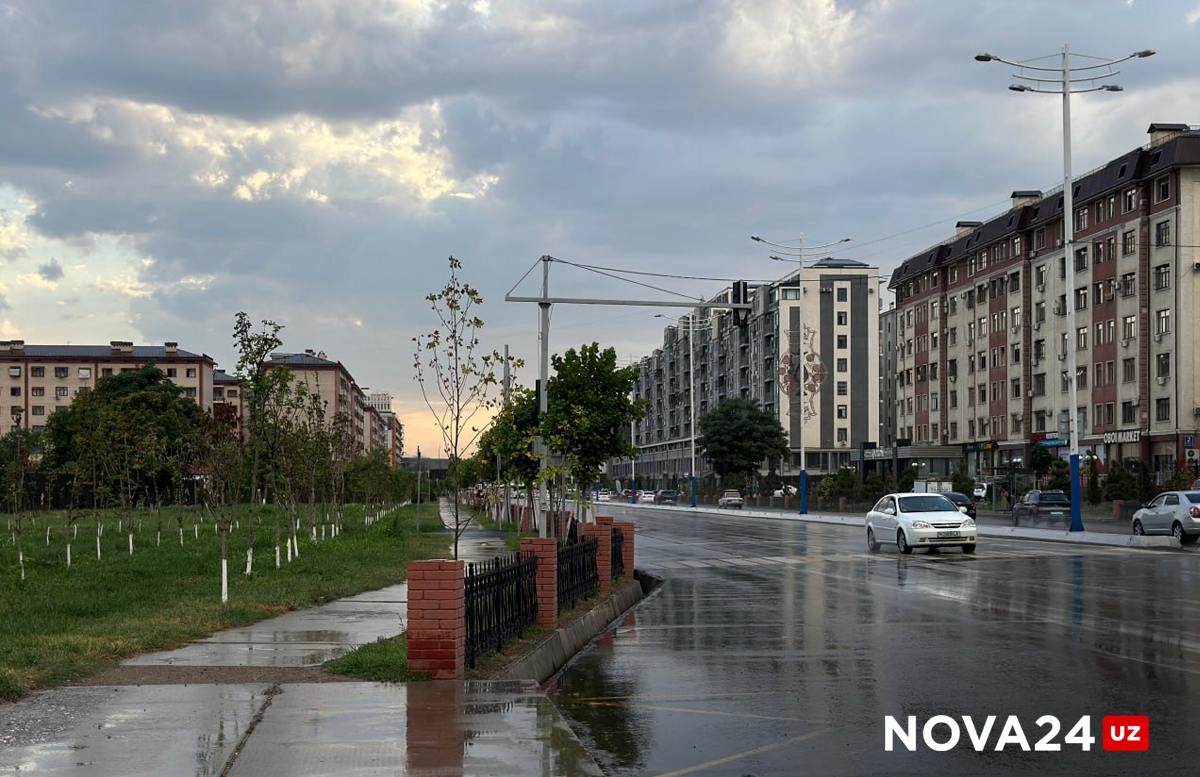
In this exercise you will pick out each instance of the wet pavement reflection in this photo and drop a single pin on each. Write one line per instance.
(778, 647)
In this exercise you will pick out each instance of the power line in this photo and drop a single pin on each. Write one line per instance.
(627, 280)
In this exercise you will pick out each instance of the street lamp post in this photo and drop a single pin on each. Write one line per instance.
(1068, 80)
(796, 256)
(691, 330)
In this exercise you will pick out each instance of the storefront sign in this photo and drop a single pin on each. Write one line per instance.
(1134, 435)
(1052, 442)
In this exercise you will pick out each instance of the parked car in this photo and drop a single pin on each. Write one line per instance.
(604, 495)
(665, 497)
(1045, 506)
(980, 491)
(646, 497)
(731, 499)
(919, 521)
(962, 500)
(785, 490)
(1172, 512)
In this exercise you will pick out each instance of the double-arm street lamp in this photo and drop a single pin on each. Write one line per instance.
(794, 252)
(691, 326)
(1065, 79)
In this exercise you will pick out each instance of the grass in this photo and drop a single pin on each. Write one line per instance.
(63, 624)
(385, 660)
(512, 537)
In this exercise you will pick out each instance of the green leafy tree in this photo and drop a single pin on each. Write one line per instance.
(873, 487)
(589, 407)
(737, 436)
(1120, 483)
(1040, 460)
(961, 481)
(510, 436)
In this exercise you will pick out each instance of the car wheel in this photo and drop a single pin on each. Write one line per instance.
(872, 545)
(968, 548)
(1177, 532)
(902, 543)
(1138, 528)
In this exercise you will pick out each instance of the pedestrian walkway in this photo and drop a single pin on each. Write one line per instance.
(476, 543)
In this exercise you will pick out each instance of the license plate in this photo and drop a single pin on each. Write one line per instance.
(942, 534)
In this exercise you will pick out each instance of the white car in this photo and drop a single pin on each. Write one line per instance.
(646, 497)
(919, 521)
(980, 491)
(604, 496)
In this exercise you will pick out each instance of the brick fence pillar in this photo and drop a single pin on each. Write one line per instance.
(546, 552)
(437, 628)
(603, 532)
(627, 556)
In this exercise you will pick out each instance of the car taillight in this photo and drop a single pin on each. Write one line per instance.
(1194, 511)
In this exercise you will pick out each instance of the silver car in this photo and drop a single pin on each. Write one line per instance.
(1172, 512)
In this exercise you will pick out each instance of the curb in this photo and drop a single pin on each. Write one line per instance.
(1011, 532)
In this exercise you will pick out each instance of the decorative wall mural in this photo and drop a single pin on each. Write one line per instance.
(804, 366)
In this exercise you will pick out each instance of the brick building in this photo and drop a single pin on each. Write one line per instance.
(981, 331)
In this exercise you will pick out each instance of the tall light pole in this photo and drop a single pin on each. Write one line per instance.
(691, 330)
(795, 254)
(1066, 80)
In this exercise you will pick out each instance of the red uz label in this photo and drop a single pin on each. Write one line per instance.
(1126, 732)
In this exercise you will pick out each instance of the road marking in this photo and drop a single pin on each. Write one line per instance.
(747, 753)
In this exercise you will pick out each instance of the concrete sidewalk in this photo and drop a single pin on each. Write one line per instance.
(985, 530)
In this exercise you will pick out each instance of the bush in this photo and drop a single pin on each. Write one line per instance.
(961, 481)
(873, 487)
(1120, 483)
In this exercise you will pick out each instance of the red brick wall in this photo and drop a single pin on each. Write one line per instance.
(437, 619)
(602, 531)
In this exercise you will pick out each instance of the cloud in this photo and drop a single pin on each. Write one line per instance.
(51, 270)
(1193, 15)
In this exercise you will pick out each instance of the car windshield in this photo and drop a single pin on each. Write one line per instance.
(667, 493)
(933, 503)
(954, 496)
(732, 493)
(1054, 499)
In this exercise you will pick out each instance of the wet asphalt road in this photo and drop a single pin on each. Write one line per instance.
(777, 648)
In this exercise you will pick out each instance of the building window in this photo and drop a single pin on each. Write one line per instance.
(1162, 409)
(1162, 277)
(61, 391)
(1081, 219)
(1162, 322)
(841, 321)
(1039, 238)
(62, 372)
(1081, 298)
(1039, 384)
(841, 388)
(1127, 413)
(842, 435)
(38, 409)
(37, 372)
(842, 365)
(105, 371)
(1128, 242)
(218, 393)
(85, 373)
(841, 294)
(190, 372)
(1162, 233)
(1081, 337)
(1129, 201)
(1015, 385)
(1129, 284)
(14, 391)
(232, 393)
(190, 392)
(1081, 259)
(1162, 365)
(171, 372)
(841, 341)
(1162, 189)
(843, 411)
(38, 391)
(1128, 370)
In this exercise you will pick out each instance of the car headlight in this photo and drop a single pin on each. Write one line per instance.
(921, 525)
(968, 524)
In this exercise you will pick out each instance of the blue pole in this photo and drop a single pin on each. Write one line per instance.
(693, 490)
(802, 494)
(1076, 495)
(633, 493)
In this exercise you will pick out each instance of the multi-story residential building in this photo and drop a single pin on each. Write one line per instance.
(228, 401)
(42, 378)
(333, 383)
(380, 400)
(982, 335)
(888, 320)
(837, 340)
(395, 436)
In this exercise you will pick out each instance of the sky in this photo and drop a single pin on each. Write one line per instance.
(165, 165)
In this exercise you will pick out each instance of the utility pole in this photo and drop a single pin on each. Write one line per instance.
(543, 377)
(507, 390)
(418, 489)
(1066, 80)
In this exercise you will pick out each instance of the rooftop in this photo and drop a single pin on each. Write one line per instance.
(98, 352)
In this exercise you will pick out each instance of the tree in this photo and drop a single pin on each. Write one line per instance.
(961, 481)
(1040, 460)
(589, 407)
(20, 455)
(873, 487)
(263, 385)
(510, 436)
(1120, 483)
(737, 436)
(454, 372)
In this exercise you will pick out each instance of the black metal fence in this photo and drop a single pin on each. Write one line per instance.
(577, 574)
(501, 600)
(618, 553)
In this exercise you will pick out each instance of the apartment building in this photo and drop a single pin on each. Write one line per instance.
(888, 320)
(982, 332)
(229, 401)
(834, 330)
(380, 400)
(42, 378)
(333, 383)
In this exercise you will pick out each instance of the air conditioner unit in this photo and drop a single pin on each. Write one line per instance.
(1029, 393)
(1016, 328)
(1037, 325)
(954, 379)
(1160, 380)
(1041, 288)
(1062, 357)
(1126, 342)
(1158, 336)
